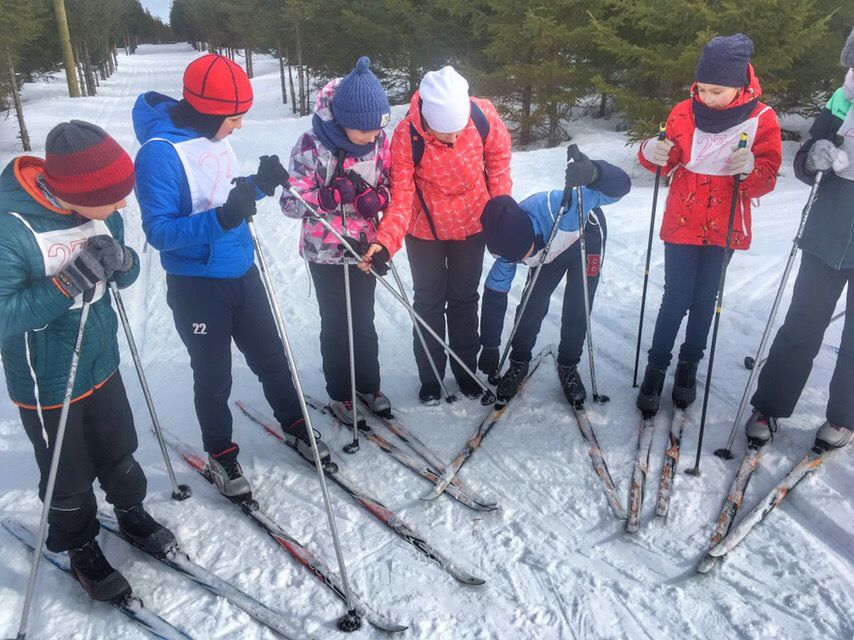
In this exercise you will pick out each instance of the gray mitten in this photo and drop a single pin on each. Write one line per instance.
(821, 156)
(96, 262)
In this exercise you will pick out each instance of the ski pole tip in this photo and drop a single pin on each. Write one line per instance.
(487, 398)
(349, 622)
(601, 399)
(182, 493)
(693, 472)
(726, 454)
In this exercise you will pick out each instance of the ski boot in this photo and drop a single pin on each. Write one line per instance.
(377, 402)
(138, 525)
(832, 436)
(509, 383)
(573, 387)
(760, 428)
(430, 393)
(685, 384)
(343, 412)
(96, 575)
(469, 387)
(649, 396)
(228, 474)
(297, 436)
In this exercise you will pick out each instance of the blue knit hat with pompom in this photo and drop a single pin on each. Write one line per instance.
(359, 101)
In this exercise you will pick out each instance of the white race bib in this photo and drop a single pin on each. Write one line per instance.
(711, 152)
(59, 247)
(210, 166)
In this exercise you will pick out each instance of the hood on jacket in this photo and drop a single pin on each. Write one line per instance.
(751, 91)
(323, 101)
(151, 119)
(19, 189)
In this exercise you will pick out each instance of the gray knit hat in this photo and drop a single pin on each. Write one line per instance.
(847, 57)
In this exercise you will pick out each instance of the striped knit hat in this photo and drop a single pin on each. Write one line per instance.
(216, 86)
(85, 166)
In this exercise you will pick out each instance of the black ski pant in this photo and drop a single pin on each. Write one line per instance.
(446, 277)
(782, 379)
(211, 312)
(334, 346)
(573, 325)
(99, 443)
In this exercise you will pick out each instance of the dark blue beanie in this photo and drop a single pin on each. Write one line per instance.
(359, 101)
(507, 229)
(724, 61)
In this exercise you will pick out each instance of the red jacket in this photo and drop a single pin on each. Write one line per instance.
(456, 181)
(698, 204)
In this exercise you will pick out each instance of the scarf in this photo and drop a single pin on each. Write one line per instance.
(333, 138)
(717, 120)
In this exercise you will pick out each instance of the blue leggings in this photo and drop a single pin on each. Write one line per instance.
(691, 278)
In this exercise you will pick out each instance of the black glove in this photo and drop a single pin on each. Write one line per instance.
(270, 175)
(100, 257)
(379, 261)
(487, 362)
(582, 171)
(239, 206)
(359, 246)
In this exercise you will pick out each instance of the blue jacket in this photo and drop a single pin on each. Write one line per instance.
(613, 183)
(189, 245)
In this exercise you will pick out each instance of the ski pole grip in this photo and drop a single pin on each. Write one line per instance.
(285, 178)
(572, 153)
(742, 140)
(662, 131)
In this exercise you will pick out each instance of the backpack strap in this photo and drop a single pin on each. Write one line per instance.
(417, 141)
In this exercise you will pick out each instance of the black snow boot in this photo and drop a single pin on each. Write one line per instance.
(138, 525)
(649, 396)
(685, 384)
(96, 575)
(573, 387)
(509, 383)
(430, 393)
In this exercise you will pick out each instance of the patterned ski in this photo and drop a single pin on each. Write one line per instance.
(804, 468)
(131, 606)
(732, 503)
(638, 485)
(371, 504)
(482, 431)
(671, 460)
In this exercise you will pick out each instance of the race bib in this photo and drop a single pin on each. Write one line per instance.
(711, 152)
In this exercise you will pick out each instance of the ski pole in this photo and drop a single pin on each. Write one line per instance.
(54, 464)
(571, 154)
(582, 245)
(695, 471)
(179, 491)
(662, 134)
(726, 453)
(353, 447)
(351, 620)
(750, 361)
(488, 395)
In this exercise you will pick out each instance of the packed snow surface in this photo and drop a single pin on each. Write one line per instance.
(556, 562)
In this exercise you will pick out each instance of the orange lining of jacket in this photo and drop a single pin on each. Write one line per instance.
(33, 407)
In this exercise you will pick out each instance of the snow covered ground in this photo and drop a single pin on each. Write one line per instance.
(557, 564)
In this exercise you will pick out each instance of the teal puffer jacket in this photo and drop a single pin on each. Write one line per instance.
(38, 322)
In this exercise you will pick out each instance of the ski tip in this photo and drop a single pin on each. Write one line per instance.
(707, 564)
(385, 625)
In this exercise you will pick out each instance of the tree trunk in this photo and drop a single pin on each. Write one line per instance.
(291, 82)
(282, 74)
(525, 124)
(81, 74)
(115, 59)
(307, 109)
(16, 98)
(603, 105)
(300, 71)
(65, 44)
(91, 86)
(250, 70)
(554, 124)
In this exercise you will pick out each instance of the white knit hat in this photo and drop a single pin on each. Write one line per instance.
(445, 101)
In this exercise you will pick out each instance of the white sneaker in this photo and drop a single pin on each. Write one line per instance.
(377, 402)
(831, 436)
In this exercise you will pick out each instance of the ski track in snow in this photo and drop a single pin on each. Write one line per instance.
(557, 564)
